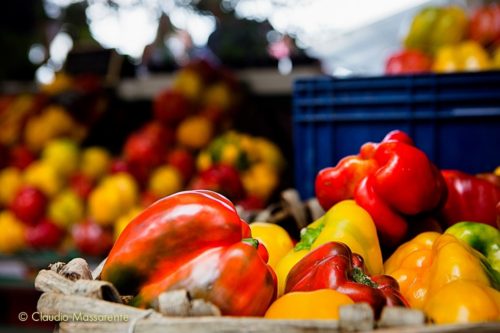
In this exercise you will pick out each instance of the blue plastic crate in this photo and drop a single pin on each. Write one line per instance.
(454, 118)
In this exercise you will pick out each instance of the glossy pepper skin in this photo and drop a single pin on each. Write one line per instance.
(482, 238)
(469, 199)
(345, 222)
(174, 237)
(334, 266)
(434, 270)
(392, 180)
(235, 278)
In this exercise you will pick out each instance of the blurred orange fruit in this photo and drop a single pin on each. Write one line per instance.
(195, 132)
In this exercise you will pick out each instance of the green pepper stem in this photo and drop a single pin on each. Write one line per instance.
(360, 277)
(251, 241)
(308, 237)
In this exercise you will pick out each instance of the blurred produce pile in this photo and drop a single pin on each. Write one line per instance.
(58, 194)
(450, 39)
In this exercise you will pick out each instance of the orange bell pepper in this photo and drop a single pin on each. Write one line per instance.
(447, 279)
(317, 304)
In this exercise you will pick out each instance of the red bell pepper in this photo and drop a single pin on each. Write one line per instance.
(192, 240)
(334, 266)
(392, 180)
(469, 199)
(232, 277)
(408, 62)
(484, 25)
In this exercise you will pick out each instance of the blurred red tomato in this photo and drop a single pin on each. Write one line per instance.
(29, 204)
(21, 157)
(408, 62)
(220, 178)
(147, 145)
(170, 107)
(92, 239)
(183, 161)
(44, 235)
(484, 25)
(81, 184)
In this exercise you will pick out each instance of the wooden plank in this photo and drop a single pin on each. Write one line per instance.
(256, 325)
(206, 325)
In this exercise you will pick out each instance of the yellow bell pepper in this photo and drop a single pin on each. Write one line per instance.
(445, 278)
(345, 222)
(275, 238)
(467, 56)
(434, 27)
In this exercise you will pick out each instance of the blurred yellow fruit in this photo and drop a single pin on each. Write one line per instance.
(247, 144)
(269, 153)
(260, 180)
(467, 56)
(189, 83)
(275, 239)
(53, 122)
(126, 188)
(218, 95)
(63, 154)
(165, 180)
(105, 205)
(12, 118)
(58, 118)
(12, 235)
(230, 154)
(10, 181)
(124, 220)
(66, 209)
(36, 134)
(195, 132)
(497, 171)
(44, 176)
(317, 304)
(95, 162)
(204, 161)
(474, 56)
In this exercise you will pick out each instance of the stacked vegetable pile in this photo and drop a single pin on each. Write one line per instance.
(447, 39)
(195, 241)
(57, 194)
